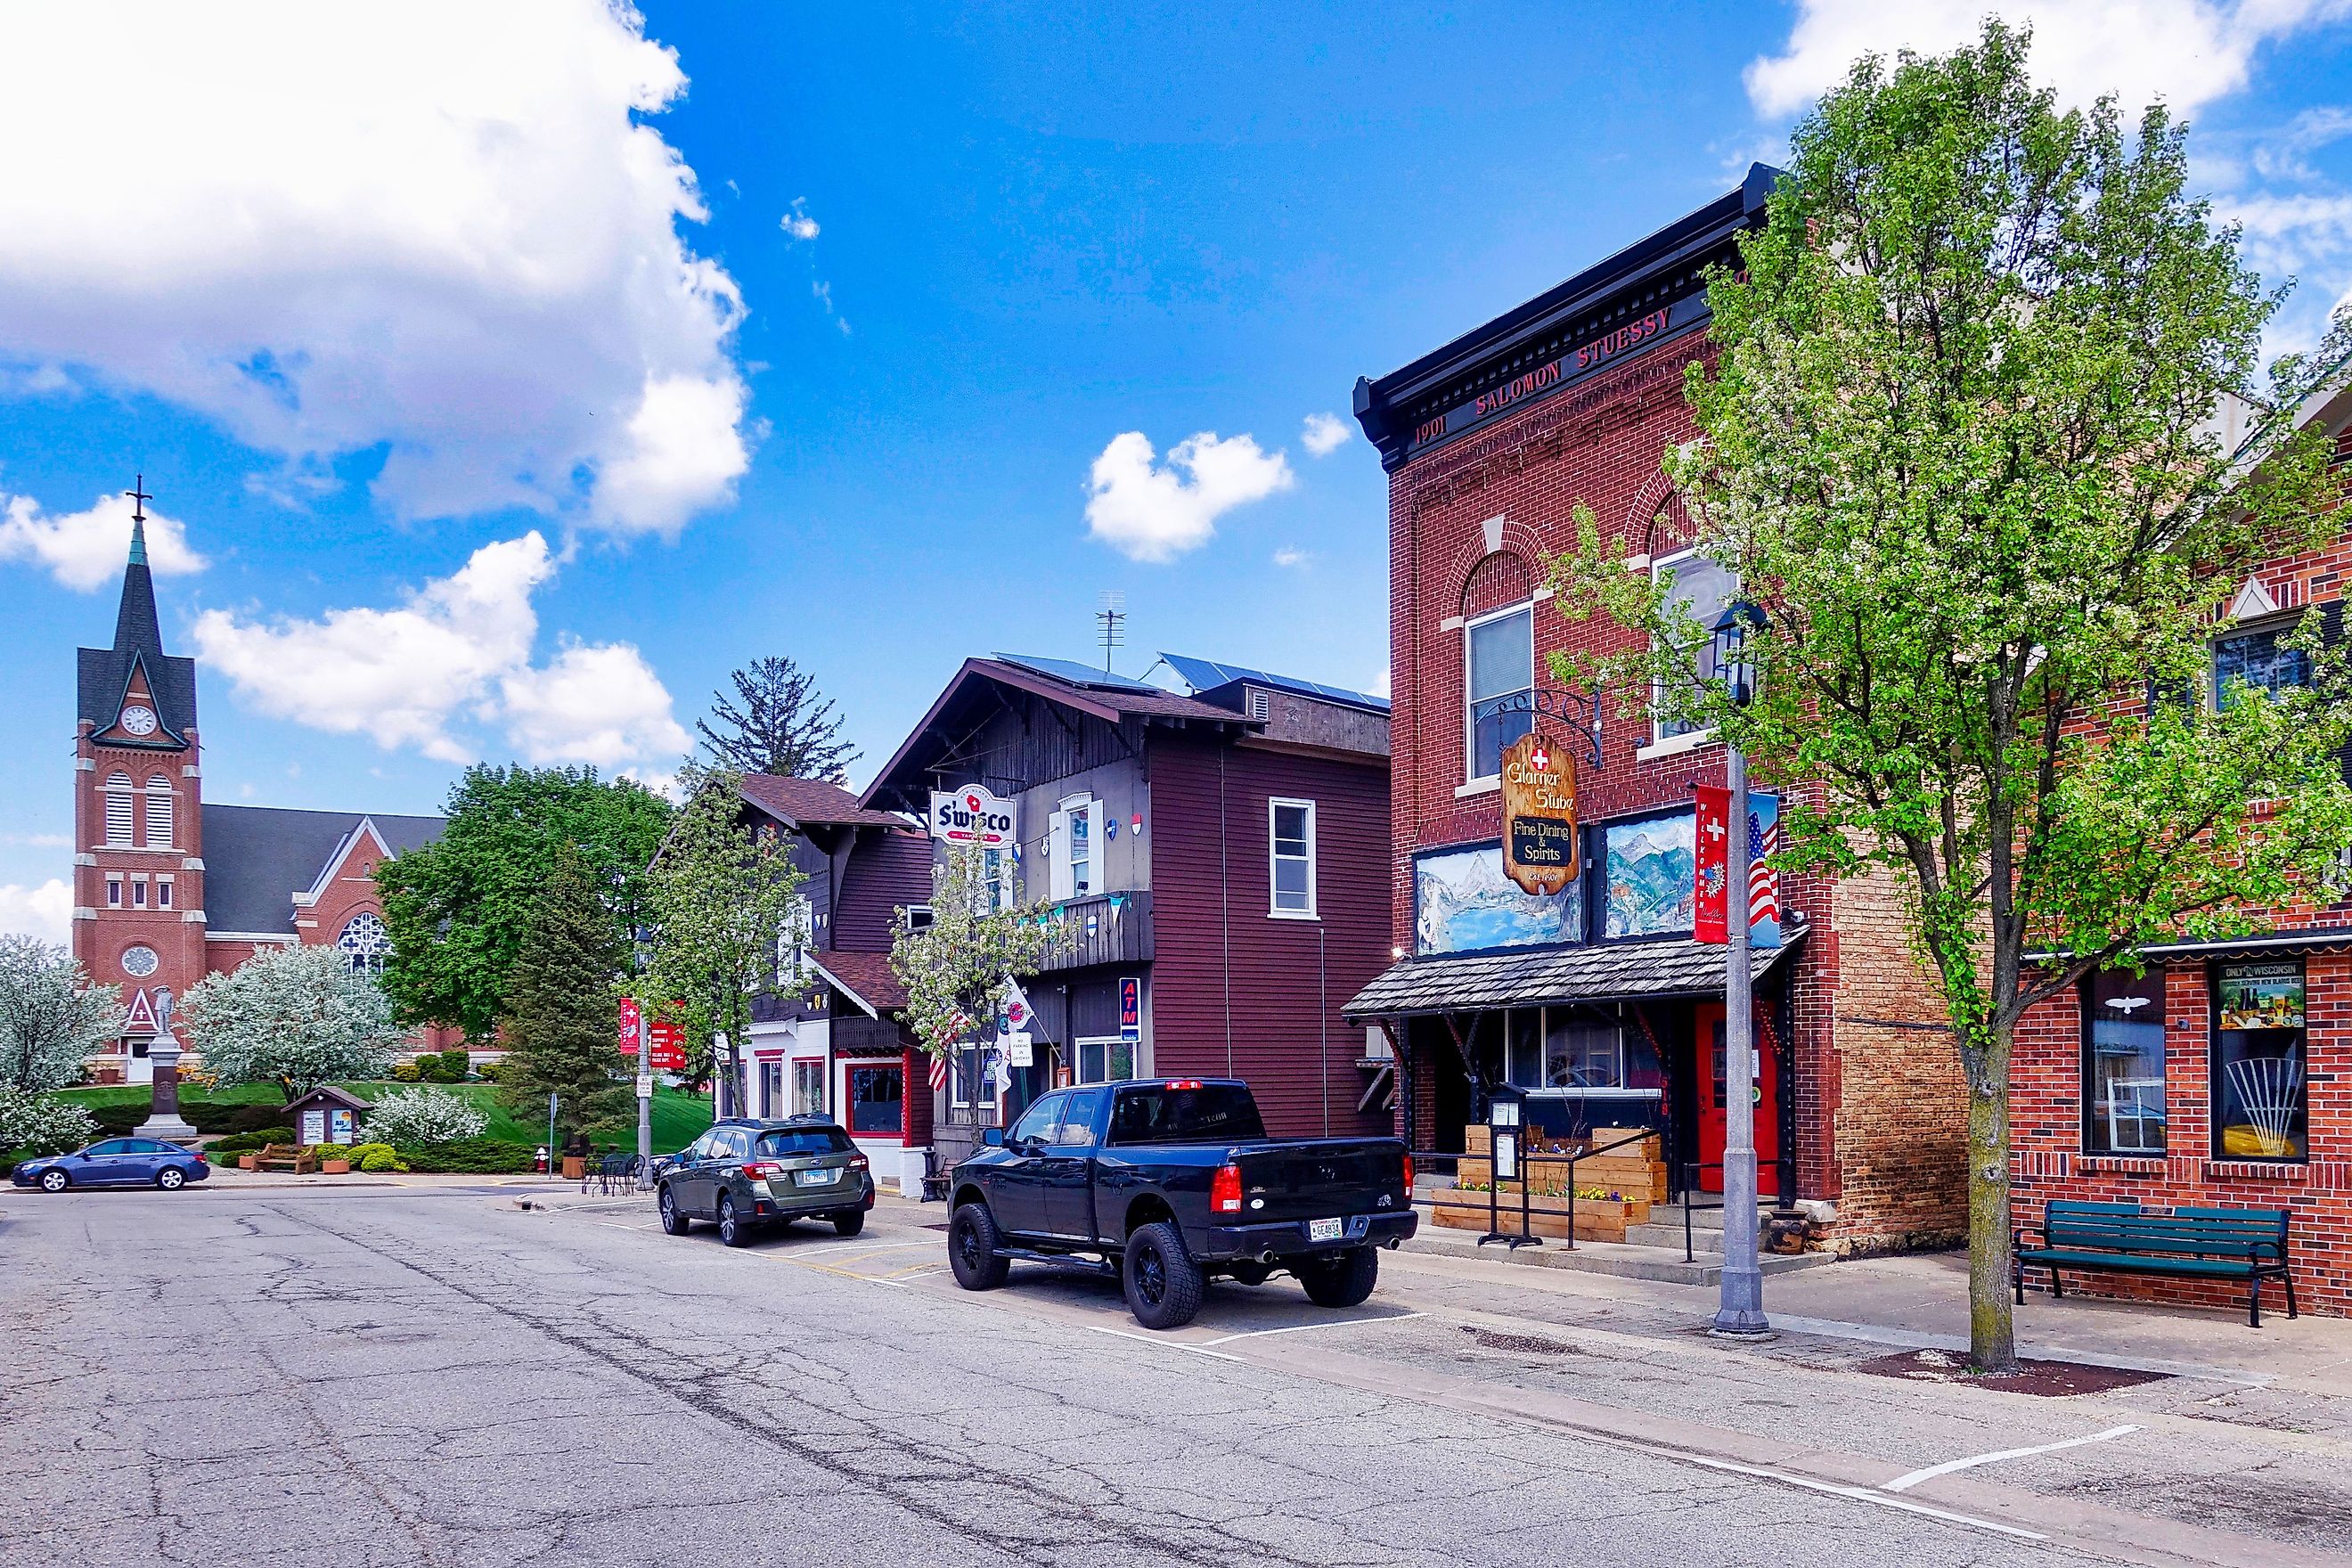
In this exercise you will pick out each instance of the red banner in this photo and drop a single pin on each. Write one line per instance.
(632, 1025)
(1709, 919)
(666, 1045)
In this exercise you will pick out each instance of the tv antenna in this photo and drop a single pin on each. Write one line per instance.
(1113, 616)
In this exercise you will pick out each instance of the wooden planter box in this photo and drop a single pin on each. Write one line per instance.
(1597, 1219)
(248, 1162)
(334, 1167)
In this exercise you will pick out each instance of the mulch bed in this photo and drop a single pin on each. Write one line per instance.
(2050, 1379)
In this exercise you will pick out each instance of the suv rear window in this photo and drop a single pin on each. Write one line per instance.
(803, 1140)
(1212, 1113)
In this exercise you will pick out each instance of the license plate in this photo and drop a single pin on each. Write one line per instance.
(818, 1178)
(1325, 1229)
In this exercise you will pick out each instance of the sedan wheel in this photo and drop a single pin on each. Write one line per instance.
(171, 1178)
(55, 1180)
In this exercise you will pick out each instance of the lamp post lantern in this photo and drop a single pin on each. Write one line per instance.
(1739, 1311)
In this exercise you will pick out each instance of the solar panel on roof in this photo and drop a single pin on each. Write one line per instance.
(1205, 674)
(1077, 674)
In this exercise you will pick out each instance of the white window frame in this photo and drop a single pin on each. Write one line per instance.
(795, 943)
(1109, 1043)
(808, 1072)
(163, 892)
(1472, 780)
(1663, 744)
(906, 920)
(1061, 876)
(114, 894)
(138, 893)
(1274, 858)
(2283, 624)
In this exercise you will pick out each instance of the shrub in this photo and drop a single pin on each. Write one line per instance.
(35, 1124)
(406, 1072)
(472, 1156)
(492, 1072)
(415, 1116)
(378, 1157)
(451, 1066)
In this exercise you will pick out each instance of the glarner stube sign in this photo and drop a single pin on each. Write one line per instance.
(1538, 816)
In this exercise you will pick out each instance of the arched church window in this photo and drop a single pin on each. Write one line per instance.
(159, 813)
(118, 811)
(365, 942)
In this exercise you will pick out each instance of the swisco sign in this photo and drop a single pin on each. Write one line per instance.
(973, 816)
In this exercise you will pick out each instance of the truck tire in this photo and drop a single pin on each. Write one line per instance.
(973, 1241)
(1163, 1284)
(1344, 1281)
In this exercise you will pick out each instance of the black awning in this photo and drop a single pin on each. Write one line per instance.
(2268, 944)
(1529, 977)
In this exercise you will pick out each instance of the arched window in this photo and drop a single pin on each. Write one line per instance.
(1498, 661)
(118, 811)
(159, 812)
(365, 944)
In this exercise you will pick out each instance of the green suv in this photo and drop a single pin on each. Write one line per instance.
(744, 1175)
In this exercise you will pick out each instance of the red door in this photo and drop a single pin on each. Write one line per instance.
(1707, 1034)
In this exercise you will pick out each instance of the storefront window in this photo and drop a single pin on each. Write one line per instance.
(2123, 1063)
(808, 1087)
(1570, 1048)
(2257, 1061)
(877, 1097)
(1652, 867)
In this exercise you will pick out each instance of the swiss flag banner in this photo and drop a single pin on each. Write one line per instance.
(1709, 917)
(632, 1026)
(1714, 842)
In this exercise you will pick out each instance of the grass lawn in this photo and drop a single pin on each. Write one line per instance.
(679, 1117)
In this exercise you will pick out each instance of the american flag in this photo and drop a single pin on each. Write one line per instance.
(1763, 882)
(939, 1070)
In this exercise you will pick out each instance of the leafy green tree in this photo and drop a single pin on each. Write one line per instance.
(784, 726)
(1958, 441)
(562, 1027)
(294, 1016)
(52, 1016)
(721, 896)
(457, 908)
(955, 968)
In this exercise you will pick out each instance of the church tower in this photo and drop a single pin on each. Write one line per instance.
(139, 877)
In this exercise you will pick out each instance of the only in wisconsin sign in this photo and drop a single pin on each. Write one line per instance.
(1538, 816)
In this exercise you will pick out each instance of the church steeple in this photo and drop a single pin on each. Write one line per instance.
(136, 628)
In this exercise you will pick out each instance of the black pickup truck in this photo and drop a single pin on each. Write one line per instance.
(1174, 1184)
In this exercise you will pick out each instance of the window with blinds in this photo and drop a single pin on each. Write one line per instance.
(159, 813)
(118, 810)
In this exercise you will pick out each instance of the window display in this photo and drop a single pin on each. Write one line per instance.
(2123, 1063)
(2258, 1061)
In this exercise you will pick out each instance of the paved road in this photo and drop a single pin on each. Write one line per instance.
(399, 1378)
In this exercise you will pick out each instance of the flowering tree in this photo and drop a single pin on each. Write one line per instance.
(42, 1123)
(51, 1015)
(408, 1117)
(954, 969)
(1960, 444)
(294, 1016)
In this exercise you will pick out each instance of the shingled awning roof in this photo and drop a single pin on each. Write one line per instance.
(866, 978)
(1527, 977)
(812, 802)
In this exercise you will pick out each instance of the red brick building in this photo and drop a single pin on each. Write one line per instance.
(2222, 1077)
(168, 888)
(1597, 1001)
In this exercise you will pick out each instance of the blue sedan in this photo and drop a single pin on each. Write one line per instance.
(116, 1163)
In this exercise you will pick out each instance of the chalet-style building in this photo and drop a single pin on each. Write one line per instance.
(168, 887)
(817, 1044)
(1216, 858)
(2221, 1075)
(1596, 1001)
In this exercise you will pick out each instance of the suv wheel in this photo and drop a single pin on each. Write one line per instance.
(171, 1178)
(674, 1223)
(1344, 1281)
(732, 1231)
(973, 1241)
(849, 1223)
(1163, 1283)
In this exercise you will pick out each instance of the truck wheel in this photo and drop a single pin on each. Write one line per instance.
(973, 1241)
(1163, 1283)
(1345, 1280)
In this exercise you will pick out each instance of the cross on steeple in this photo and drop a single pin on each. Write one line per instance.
(139, 497)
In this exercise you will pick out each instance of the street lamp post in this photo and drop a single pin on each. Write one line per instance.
(1739, 1311)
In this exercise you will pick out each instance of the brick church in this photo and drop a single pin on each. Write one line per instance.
(168, 888)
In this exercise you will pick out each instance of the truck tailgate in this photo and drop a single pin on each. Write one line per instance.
(1318, 1178)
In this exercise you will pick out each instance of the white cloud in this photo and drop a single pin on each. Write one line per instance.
(1291, 555)
(86, 550)
(797, 222)
(434, 228)
(1325, 434)
(1381, 688)
(45, 911)
(2187, 52)
(457, 649)
(1156, 514)
(594, 704)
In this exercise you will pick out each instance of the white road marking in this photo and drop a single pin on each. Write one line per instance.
(615, 1225)
(1158, 1339)
(1905, 1483)
(1834, 1489)
(1302, 1328)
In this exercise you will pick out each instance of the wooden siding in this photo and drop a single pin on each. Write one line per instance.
(1233, 990)
(1120, 936)
(887, 870)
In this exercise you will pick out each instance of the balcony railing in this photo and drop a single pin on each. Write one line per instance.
(1102, 928)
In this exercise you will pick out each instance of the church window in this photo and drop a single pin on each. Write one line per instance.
(159, 813)
(118, 811)
(365, 944)
(114, 892)
(163, 892)
(138, 893)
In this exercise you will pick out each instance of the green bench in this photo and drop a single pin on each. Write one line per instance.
(2187, 1244)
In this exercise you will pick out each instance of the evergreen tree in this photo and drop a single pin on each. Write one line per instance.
(562, 1021)
(784, 725)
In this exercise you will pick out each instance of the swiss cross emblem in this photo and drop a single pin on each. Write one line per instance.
(1541, 759)
(972, 802)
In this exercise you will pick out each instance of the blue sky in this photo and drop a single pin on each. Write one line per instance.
(873, 336)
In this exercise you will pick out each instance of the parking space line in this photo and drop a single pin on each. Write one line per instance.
(1905, 1483)
(1302, 1328)
(1158, 1339)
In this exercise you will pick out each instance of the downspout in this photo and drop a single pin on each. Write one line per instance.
(1225, 905)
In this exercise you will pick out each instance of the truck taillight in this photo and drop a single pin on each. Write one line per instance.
(1408, 1173)
(1225, 1190)
(1181, 1083)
